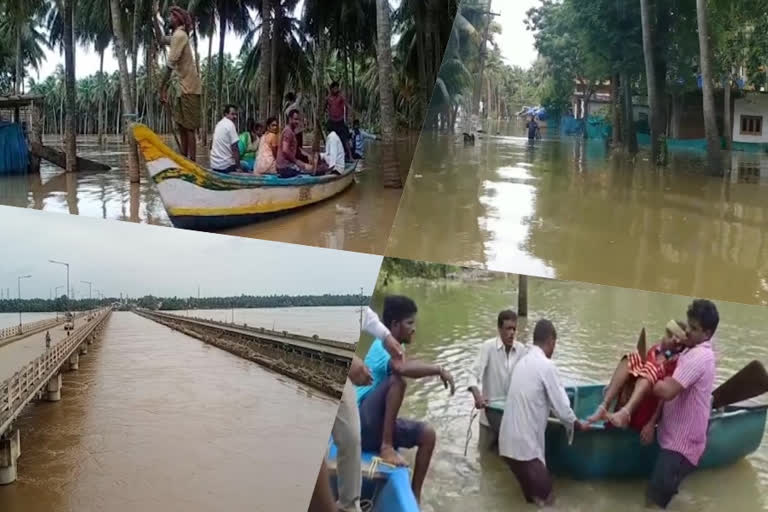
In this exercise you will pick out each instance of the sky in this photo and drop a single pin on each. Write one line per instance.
(516, 43)
(140, 259)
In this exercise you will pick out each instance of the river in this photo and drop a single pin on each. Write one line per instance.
(357, 220)
(156, 420)
(568, 209)
(595, 324)
(11, 319)
(338, 323)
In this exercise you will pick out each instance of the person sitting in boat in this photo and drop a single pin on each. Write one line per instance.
(293, 101)
(249, 143)
(687, 397)
(358, 140)
(632, 384)
(379, 402)
(288, 166)
(489, 378)
(225, 151)
(534, 390)
(267, 155)
(332, 159)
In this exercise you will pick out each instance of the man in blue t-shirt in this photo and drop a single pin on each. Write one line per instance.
(379, 402)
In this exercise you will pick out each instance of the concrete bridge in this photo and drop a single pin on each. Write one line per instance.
(29, 369)
(317, 362)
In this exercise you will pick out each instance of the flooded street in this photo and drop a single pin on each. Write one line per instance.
(333, 323)
(568, 209)
(595, 325)
(156, 420)
(359, 219)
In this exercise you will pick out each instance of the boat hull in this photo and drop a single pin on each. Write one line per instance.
(197, 198)
(617, 453)
(388, 488)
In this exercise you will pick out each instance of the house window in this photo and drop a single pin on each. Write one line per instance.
(751, 125)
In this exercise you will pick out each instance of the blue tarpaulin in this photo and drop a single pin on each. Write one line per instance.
(14, 157)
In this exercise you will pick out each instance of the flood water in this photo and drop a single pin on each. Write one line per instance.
(569, 209)
(11, 319)
(156, 420)
(595, 325)
(359, 219)
(339, 323)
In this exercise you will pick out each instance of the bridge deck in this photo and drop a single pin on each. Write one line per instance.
(15, 355)
(289, 339)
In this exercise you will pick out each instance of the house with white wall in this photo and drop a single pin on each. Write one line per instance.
(750, 113)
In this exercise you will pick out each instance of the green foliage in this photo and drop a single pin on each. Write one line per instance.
(179, 303)
(397, 267)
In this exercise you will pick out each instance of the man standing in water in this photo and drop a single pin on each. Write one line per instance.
(379, 403)
(687, 396)
(180, 59)
(533, 129)
(534, 390)
(489, 380)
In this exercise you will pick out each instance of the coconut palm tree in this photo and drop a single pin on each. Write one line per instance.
(714, 159)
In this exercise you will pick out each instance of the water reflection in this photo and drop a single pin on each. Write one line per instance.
(570, 209)
(359, 219)
(595, 324)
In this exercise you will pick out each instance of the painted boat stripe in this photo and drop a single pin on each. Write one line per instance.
(161, 164)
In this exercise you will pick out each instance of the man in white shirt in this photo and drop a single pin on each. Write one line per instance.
(534, 390)
(225, 151)
(489, 380)
(346, 427)
(334, 155)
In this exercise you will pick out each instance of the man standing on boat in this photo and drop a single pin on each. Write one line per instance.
(489, 379)
(338, 109)
(534, 390)
(379, 403)
(687, 396)
(180, 59)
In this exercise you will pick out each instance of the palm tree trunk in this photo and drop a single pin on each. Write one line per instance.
(206, 90)
(387, 101)
(627, 122)
(222, 34)
(266, 58)
(19, 58)
(70, 137)
(101, 97)
(421, 57)
(125, 87)
(135, 56)
(615, 111)
(727, 124)
(705, 62)
(274, 101)
(654, 102)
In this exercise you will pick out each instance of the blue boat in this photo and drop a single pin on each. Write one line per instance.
(605, 452)
(385, 488)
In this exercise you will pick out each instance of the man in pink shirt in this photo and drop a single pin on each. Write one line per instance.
(687, 396)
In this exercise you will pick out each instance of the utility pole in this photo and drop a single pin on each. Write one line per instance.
(90, 285)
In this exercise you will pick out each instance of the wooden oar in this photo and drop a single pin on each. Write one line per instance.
(749, 382)
(173, 125)
(641, 344)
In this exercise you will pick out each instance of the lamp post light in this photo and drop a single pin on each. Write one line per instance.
(66, 265)
(19, 284)
(90, 285)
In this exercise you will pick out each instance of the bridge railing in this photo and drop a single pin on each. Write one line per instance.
(16, 391)
(9, 332)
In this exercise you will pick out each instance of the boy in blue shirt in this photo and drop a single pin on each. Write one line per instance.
(379, 402)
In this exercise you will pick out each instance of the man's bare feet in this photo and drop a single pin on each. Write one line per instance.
(391, 456)
(600, 414)
(620, 418)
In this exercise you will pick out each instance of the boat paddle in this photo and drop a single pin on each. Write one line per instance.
(749, 382)
(641, 345)
(172, 123)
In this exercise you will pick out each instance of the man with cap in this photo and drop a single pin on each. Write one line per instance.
(180, 59)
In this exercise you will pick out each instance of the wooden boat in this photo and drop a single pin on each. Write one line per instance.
(605, 452)
(385, 488)
(198, 198)
(59, 158)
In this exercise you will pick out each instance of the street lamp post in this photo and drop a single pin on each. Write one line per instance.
(19, 283)
(66, 265)
(90, 284)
